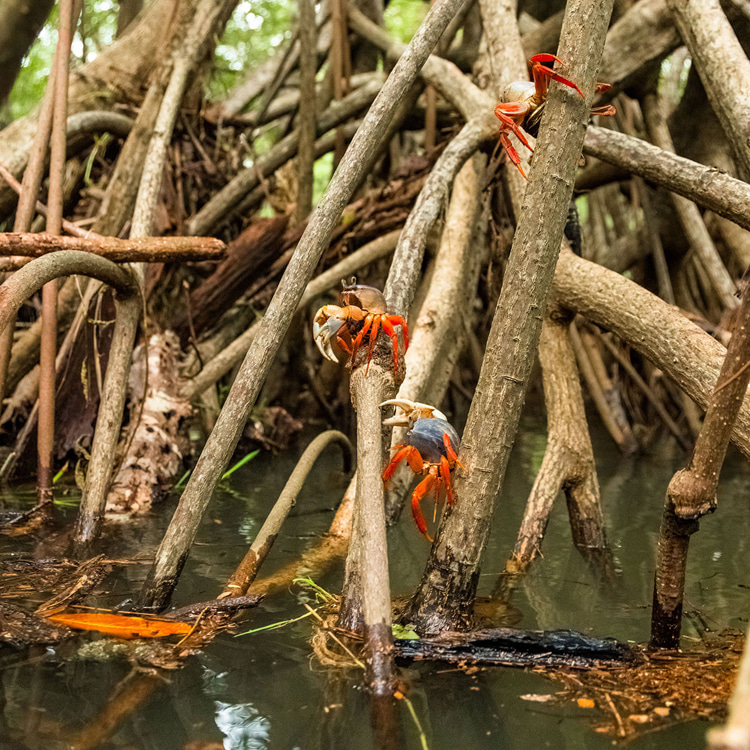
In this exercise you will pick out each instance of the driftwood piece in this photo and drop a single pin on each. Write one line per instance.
(157, 447)
(517, 648)
(228, 606)
(77, 584)
(148, 250)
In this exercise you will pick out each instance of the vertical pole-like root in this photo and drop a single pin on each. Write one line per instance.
(445, 595)
(32, 179)
(108, 422)
(669, 582)
(308, 63)
(692, 492)
(369, 390)
(46, 428)
(247, 570)
(568, 462)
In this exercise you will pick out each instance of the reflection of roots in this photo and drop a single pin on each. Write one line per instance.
(330, 643)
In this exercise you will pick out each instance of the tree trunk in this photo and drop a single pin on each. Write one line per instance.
(20, 22)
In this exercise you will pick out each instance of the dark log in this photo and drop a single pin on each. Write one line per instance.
(248, 257)
(215, 606)
(518, 648)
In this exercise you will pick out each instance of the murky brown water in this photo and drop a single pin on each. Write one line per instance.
(264, 691)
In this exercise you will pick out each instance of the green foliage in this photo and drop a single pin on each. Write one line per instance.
(32, 78)
(256, 29)
(404, 633)
(402, 17)
(322, 172)
(249, 457)
(321, 595)
(96, 30)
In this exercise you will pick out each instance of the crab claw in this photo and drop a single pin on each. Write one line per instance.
(411, 412)
(323, 332)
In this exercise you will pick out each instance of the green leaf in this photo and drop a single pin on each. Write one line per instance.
(404, 633)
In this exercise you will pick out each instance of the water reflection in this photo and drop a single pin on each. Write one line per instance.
(242, 726)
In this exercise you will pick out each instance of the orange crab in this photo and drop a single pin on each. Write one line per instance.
(431, 449)
(523, 103)
(364, 314)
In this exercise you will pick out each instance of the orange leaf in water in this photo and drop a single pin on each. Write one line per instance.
(123, 626)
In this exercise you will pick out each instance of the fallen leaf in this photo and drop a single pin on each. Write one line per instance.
(639, 718)
(123, 626)
(537, 697)
(585, 703)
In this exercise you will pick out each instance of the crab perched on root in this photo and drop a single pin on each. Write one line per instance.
(523, 103)
(363, 315)
(431, 449)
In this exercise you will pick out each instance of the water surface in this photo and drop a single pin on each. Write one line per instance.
(265, 691)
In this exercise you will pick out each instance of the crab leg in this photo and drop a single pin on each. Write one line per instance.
(397, 320)
(362, 334)
(373, 338)
(452, 455)
(506, 112)
(607, 109)
(412, 456)
(512, 153)
(391, 331)
(541, 74)
(421, 490)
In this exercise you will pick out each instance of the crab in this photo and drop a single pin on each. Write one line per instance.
(363, 315)
(431, 449)
(523, 103)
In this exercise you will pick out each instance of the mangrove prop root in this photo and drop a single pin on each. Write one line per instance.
(247, 570)
(175, 546)
(692, 492)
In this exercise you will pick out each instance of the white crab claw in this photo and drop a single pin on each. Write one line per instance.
(411, 412)
(323, 335)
